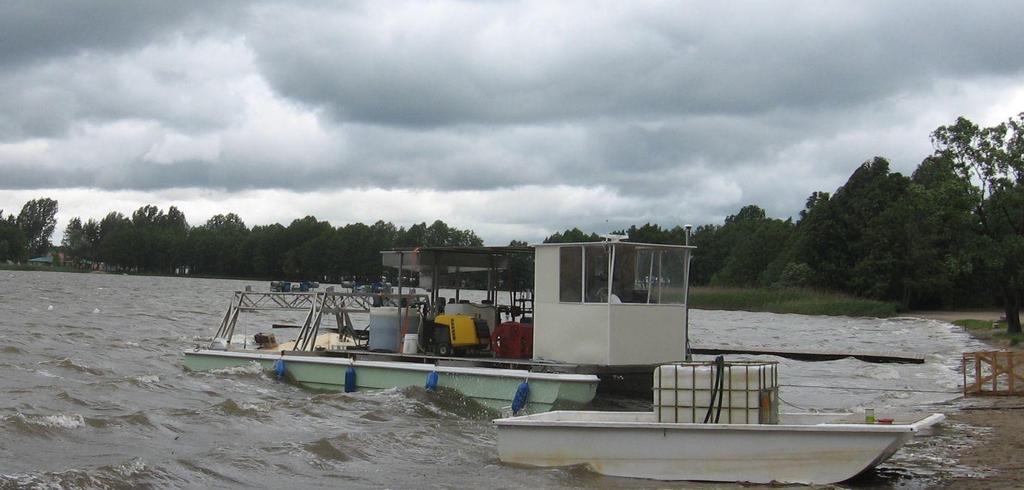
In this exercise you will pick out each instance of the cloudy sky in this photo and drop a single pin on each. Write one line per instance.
(514, 119)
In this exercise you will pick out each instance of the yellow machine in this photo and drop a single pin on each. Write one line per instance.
(459, 333)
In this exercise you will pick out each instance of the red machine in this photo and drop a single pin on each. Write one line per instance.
(513, 340)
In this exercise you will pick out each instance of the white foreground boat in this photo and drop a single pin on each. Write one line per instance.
(634, 444)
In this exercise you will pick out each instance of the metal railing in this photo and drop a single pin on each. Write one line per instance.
(316, 304)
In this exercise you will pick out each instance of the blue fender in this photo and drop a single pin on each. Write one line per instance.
(520, 398)
(350, 380)
(279, 368)
(432, 381)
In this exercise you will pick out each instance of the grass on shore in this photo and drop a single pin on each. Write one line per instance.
(994, 332)
(40, 268)
(801, 301)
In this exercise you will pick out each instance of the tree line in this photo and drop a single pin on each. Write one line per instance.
(154, 241)
(951, 234)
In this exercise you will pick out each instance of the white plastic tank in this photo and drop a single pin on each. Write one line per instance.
(749, 394)
(384, 326)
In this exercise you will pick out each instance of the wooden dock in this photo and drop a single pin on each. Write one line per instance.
(875, 357)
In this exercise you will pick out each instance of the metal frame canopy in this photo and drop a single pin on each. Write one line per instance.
(451, 259)
(621, 243)
(433, 261)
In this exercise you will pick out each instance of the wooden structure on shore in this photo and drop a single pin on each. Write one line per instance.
(993, 373)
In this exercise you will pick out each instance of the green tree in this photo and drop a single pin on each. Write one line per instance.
(218, 246)
(709, 256)
(37, 220)
(832, 236)
(267, 246)
(652, 233)
(13, 243)
(992, 160)
(574, 235)
(114, 243)
(520, 273)
(74, 241)
(752, 242)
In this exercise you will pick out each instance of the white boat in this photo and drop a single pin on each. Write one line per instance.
(634, 444)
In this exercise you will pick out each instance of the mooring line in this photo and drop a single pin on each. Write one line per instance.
(793, 405)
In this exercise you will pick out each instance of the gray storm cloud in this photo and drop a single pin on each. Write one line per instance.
(704, 105)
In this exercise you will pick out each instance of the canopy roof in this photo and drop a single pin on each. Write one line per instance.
(619, 243)
(452, 259)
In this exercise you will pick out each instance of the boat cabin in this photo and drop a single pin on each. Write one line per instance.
(610, 303)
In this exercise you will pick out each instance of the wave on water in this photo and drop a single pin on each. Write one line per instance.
(70, 364)
(46, 374)
(340, 449)
(881, 372)
(251, 368)
(335, 399)
(63, 395)
(444, 402)
(133, 419)
(44, 424)
(145, 379)
(245, 409)
(157, 316)
(133, 473)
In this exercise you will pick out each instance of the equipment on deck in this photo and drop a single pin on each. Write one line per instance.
(513, 340)
(459, 333)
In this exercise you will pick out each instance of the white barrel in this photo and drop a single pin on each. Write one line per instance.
(410, 344)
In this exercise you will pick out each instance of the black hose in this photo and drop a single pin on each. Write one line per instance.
(720, 364)
(716, 389)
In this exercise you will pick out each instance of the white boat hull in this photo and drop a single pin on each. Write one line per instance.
(632, 444)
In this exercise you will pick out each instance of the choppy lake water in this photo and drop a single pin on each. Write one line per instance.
(95, 396)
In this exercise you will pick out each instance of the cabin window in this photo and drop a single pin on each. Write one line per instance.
(624, 286)
(570, 277)
(650, 275)
(596, 281)
(640, 274)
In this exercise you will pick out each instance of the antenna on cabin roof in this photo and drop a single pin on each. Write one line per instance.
(612, 237)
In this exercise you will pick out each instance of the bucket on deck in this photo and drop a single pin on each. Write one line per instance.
(410, 344)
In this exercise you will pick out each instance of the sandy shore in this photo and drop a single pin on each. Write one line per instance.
(996, 454)
(950, 316)
(995, 449)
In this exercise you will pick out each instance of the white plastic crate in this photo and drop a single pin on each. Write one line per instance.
(750, 392)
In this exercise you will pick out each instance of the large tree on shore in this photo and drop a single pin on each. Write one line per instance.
(992, 160)
(37, 220)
